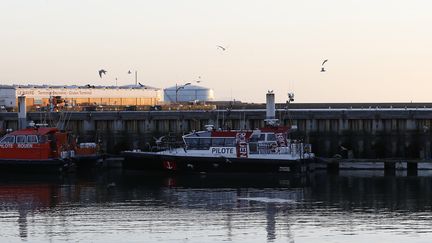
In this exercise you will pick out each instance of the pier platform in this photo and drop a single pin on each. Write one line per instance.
(411, 166)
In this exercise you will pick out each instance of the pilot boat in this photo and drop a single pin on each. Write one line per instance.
(267, 150)
(36, 148)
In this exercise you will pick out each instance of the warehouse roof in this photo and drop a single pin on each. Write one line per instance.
(88, 86)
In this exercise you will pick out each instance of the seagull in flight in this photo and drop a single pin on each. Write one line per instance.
(222, 48)
(322, 65)
(159, 140)
(324, 62)
(343, 148)
(102, 72)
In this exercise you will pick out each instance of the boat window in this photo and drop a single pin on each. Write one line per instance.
(21, 139)
(204, 143)
(43, 139)
(271, 137)
(32, 139)
(262, 137)
(192, 143)
(253, 148)
(218, 142)
(230, 142)
(8, 139)
(254, 138)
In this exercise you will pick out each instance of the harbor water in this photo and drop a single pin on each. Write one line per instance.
(119, 206)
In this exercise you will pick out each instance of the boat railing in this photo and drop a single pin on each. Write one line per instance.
(175, 145)
(294, 149)
(267, 148)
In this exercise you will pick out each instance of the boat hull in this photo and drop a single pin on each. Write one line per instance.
(87, 161)
(200, 164)
(44, 165)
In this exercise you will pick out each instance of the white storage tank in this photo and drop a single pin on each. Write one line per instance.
(187, 93)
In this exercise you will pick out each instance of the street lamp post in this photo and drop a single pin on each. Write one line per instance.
(136, 76)
(179, 88)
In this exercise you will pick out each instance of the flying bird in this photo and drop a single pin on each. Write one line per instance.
(324, 62)
(112, 184)
(102, 72)
(322, 65)
(159, 140)
(222, 48)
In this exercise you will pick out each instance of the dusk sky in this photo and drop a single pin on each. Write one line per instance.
(378, 51)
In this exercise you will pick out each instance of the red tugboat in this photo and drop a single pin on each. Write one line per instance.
(36, 148)
(266, 150)
(87, 155)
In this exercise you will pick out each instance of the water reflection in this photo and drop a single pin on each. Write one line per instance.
(114, 206)
(25, 195)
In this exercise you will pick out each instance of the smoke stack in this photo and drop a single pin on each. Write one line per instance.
(270, 109)
(22, 112)
(270, 105)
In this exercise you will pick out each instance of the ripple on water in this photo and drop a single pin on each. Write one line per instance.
(324, 209)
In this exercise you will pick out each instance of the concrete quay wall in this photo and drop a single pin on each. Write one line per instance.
(390, 132)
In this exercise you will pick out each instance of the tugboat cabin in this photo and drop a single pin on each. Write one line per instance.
(33, 143)
(264, 141)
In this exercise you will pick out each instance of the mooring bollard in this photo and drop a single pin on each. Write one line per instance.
(333, 167)
(389, 168)
(412, 168)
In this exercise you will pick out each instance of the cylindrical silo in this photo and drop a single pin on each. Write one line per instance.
(188, 93)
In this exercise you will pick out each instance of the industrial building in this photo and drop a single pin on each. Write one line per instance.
(188, 93)
(43, 95)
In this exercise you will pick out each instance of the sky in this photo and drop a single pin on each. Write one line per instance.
(377, 51)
